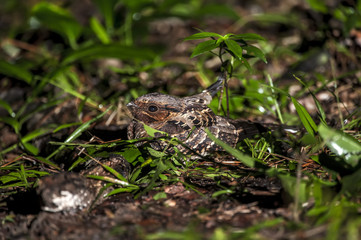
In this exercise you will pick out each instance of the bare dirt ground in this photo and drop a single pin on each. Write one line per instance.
(257, 197)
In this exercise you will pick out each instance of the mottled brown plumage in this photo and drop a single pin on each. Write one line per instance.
(187, 118)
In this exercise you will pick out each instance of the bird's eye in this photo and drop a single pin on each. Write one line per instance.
(152, 108)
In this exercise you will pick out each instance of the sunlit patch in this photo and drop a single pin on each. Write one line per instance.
(68, 201)
(261, 109)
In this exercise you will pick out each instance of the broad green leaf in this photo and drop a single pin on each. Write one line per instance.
(99, 30)
(341, 144)
(151, 131)
(121, 190)
(204, 47)
(305, 117)
(202, 35)
(36, 133)
(249, 161)
(113, 180)
(164, 177)
(234, 47)
(15, 71)
(251, 50)
(131, 154)
(159, 195)
(12, 122)
(156, 153)
(58, 20)
(248, 36)
(113, 50)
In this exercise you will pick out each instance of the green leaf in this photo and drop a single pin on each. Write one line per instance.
(114, 172)
(156, 153)
(251, 50)
(234, 47)
(204, 47)
(114, 50)
(31, 148)
(131, 154)
(318, 5)
(99, 30)
(202, 35)
(221, 192)
(58, 20)
(7, 107)
(290, 185)
(152, 132)
(159, 195)
(15, 71)
(245, 63)
(305, 117)
(107, 9)
(248, 36)
(341, 144)
(352, 183)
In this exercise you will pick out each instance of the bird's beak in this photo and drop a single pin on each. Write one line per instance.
(132, 109)
(132, 106)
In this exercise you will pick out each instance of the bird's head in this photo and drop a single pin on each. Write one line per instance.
(154, 108)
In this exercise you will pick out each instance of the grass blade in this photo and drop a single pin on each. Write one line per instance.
(249, 161)
(305, 117)
(78, 132)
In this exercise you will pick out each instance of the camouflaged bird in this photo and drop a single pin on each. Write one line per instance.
(187, 118)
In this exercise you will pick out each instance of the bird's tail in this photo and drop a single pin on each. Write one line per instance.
(218, 85)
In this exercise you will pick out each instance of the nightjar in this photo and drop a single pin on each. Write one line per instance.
(186, 119)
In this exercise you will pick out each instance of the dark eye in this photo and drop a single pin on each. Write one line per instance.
(152, 108)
